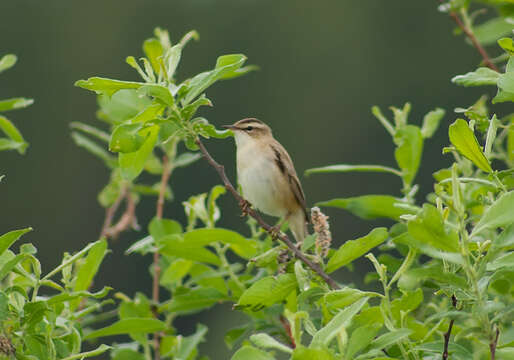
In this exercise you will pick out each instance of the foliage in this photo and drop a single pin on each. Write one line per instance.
(443, 268)
(52, 325)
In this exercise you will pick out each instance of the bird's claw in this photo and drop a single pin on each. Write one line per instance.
(245, 206)
(275, 232)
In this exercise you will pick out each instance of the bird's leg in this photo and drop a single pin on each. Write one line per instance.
(244, 205)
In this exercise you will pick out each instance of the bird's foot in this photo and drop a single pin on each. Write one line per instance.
(245, 206)
(275, 232)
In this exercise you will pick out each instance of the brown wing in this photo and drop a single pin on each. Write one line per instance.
(285, 164)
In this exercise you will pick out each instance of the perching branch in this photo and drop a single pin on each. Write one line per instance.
(156, 268)
(448, 333)
(474, 41)
(250, 211)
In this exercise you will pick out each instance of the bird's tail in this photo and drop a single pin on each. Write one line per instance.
(298, 226)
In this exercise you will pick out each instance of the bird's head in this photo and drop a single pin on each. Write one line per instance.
(249, 129)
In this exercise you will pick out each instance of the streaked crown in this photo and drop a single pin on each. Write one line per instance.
(250, 126)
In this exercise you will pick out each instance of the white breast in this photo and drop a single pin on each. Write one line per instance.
(260, 179)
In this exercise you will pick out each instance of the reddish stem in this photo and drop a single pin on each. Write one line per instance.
(156, 268)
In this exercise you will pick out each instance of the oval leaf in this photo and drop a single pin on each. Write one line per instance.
(370, 206)
(499, 214)
(353, 249)
(129, 325)
(466, 143)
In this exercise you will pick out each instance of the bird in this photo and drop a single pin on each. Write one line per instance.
(267, 176)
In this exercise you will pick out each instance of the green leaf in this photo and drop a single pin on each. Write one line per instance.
(454, 350)
(202, 127)
(189, 110)
(15, 103)
(503, 261)
(189, 344)
(479, 77)
(360, 338)
(7, 61)
(506, 84)
(353, 168)
(411, 278)
(303, 353)
(158, 92)
(8, 144)
(342, 320)
(91, 130)
(466, 143)
(6, 267)
(7, 239)
(10, 130)
(126, 354)
(409, 301)
(488, 32)
(302, 276)
(391, 338)
(130, 325)
(153, 50)
(248, 352)
(267, 291)
(265, 341)
(370, 206)
(89, 268)
(432, 251)
(125, 138)
(172, 59)
(246, 248)
(499, 214)
(186, 158)
(409, 142)
(505, 240)
(108, 87)
(67, 296)
(99, 350)
(507, 44)
(150, 112)
(176, 245)
(132, 164)
(431, 122)
(194, 300)
(159, 228)
(4, 306)
(94, 149)
(177, 270)
(353, 249)
(428, 228)
(123, 105)
(341, 298)
(225, 67)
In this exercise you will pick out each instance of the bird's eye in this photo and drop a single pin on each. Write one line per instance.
(249, 128)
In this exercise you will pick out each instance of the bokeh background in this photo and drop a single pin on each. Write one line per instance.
(323, 65)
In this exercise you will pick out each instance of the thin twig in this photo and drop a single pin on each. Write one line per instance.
(287, 328)
(492, 345)
(156, 268)
(270, 229)
(449, 332)
(110, 211)
(127, 219)
(474, 40)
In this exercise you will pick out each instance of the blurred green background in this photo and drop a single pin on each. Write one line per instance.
(323, 65)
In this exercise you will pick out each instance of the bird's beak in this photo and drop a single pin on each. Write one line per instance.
(230, 127)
